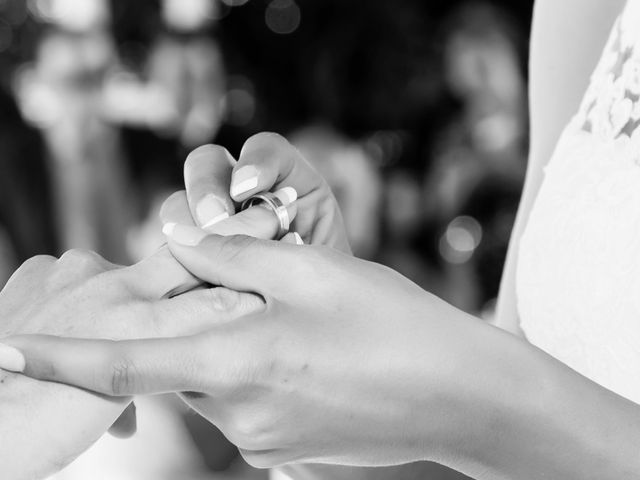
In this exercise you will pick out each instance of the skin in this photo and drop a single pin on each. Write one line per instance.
(283, 393)
(289, 383)
(79, 294)
(46, 425)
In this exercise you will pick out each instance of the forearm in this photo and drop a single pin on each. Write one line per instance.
(44, 426)
(536, 418)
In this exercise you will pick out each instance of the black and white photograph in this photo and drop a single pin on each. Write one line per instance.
(319, 240)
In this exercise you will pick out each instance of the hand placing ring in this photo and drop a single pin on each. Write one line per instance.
(272, 202)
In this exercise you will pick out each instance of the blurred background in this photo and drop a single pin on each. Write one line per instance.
(414, 111)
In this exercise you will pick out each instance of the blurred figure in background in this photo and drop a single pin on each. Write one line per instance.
(420, 136)
(188, 64)
(78, 94)
(61, 94)
(26, 222)
(176, 103)
(482, 150)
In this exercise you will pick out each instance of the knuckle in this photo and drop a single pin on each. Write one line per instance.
(246, 430)
(122, 379)
(267, 144)
(266, 138)
(234, 247)
(223, 299)
(255, 431)
(114, 286)
(38, 262)
(84, 261)
(204, 154)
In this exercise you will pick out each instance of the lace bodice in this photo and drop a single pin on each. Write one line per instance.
(578, 277)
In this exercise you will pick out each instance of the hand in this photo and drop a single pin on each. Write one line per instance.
(46, 425)
(347, 361)
(208, 175)
(215, 183)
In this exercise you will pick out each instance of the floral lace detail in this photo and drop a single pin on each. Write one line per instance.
(578, 269)
(611, 105)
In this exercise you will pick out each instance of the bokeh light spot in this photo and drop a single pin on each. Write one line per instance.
(462, 237)
(71, 14)
(283, 16)
(240, 101)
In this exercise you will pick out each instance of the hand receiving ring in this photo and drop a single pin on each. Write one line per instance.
(273, 203)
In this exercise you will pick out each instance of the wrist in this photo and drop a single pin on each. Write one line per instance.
(519, 412)
(450, 365)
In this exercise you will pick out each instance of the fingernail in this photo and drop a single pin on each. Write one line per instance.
(287, 195)
(244, 180)
(167, 228)
(184, 234)
(11, 359)
(298, 238)
(210, 210)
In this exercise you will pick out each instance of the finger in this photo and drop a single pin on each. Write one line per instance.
(127, 423)
(238, 262)
(258, 221)
(292, 238)
(202, 309)
(158, 276)
(209, 363)
(176, 209)
(207, 174)
(161, 276)
(267, 162)
(119, 369)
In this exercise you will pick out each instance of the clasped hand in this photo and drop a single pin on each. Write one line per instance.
(292, 350)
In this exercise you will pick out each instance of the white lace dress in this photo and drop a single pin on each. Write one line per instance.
(578, 278)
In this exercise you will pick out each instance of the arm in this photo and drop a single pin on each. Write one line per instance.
(338, 372)
(535, 418)
(44, 425)
(567, 39)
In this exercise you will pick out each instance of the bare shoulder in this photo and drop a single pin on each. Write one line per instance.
(567, 39)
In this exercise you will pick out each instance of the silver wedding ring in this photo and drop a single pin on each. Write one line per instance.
(274, 204)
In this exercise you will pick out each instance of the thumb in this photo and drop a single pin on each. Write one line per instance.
(238, 262)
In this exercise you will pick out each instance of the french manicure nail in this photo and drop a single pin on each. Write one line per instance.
(184, 234)
(298, 238)
(11, 359)
(210, 210)
(287, 195)
(244, 180)
(167, 228)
